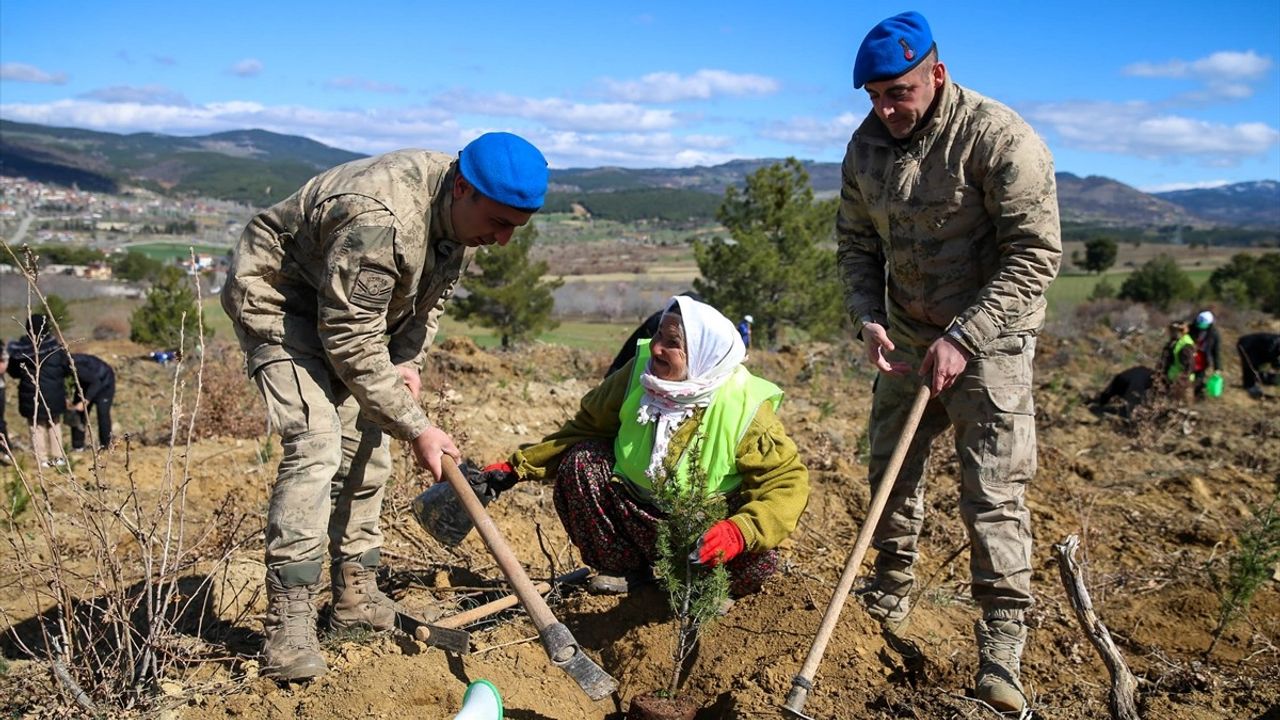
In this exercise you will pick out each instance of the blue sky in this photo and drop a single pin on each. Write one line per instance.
(1158, 95)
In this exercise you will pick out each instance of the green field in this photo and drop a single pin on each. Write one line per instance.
(168, 252)
(1072, 289)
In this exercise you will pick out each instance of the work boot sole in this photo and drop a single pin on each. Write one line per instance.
(297, 673)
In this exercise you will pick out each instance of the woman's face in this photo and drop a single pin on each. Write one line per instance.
(670, 357)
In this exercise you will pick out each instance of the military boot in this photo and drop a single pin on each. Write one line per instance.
(292, 650)
(887, 598)
(1000, 643)
(357, 601)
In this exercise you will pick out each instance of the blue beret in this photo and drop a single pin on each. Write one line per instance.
(506, 168)
(892, 48)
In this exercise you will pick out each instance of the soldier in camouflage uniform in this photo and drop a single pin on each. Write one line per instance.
(335, 294)
(948, 238)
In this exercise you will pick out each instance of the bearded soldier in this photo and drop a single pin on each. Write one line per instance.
(948, 238)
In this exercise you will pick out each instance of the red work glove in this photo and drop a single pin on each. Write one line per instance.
(498, 477)
(720, 544)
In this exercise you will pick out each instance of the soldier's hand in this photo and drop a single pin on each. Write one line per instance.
(877, 344)
(430, 446)
(412, 379)
(943, 363)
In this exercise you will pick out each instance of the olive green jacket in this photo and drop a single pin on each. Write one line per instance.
(355, 267)
(952, 229)
(775, 483)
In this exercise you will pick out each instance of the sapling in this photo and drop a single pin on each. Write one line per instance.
(696, 593)
(1248, 568)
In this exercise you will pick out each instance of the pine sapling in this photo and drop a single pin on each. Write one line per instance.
(696, 593)
(1247, 568)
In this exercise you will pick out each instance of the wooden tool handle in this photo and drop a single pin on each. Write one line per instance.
(480, 612)
(851, 567)
(498, 547)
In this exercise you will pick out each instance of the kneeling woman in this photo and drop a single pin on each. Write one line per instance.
(637, 426)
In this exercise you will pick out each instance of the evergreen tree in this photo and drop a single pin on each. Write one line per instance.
(509, 295)
(1159, 281)
(778, 265)
(160, 321)
(1249, 281)
(134, 265)
(57, 309)
(1099, 254)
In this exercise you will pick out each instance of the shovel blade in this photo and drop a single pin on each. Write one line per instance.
(593, 680)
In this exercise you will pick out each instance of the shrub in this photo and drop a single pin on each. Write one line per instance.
(169, 313)
(1159, 282)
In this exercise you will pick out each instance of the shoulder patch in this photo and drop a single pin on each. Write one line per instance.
(372, 288)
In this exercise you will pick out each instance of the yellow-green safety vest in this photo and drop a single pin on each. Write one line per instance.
(722, 427)
(1175, 363)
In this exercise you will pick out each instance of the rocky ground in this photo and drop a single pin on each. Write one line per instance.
(1159, 503)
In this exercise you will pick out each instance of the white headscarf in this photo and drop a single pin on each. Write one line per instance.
(714, 349)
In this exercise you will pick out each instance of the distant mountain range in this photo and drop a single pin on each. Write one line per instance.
(260, 167)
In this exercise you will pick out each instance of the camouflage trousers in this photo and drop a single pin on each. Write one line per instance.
(993, 415)
(335, 464)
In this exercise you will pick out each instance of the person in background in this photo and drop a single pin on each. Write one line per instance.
(636, 427)
(4, 427)
(643, 332)
(41, 365)
(948, 237)
(1176, 360)
(98, 381)
(335, 295)
(1130, 386)
(1207, 355)
(744, 329)
(1259, 361)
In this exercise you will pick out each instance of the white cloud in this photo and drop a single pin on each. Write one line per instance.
(359, 84)
(145, 95)
(1225, 74)
(814, 133)
(369, 131)
(1138, 129)
(249, 67)
(381, 130)
(661, 149)
(560, 114)
(702, 85)
(1170, 187)
(21, 72)
(1226, 64)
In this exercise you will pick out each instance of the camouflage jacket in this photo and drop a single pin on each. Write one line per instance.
(361, 252)
(953, 229)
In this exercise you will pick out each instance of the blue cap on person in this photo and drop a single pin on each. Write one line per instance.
(506, 168)
(892, 48)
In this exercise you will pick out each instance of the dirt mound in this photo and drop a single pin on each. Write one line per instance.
(1158, 507)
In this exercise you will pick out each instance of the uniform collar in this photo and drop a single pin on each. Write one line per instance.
(441, 215)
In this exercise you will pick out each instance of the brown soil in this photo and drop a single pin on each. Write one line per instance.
(1159, 504)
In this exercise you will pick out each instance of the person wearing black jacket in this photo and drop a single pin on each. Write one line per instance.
(4, 428)
(1258, 351)
(98, 381)
(40, 365)
(1130, 386)
(1207, 340)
